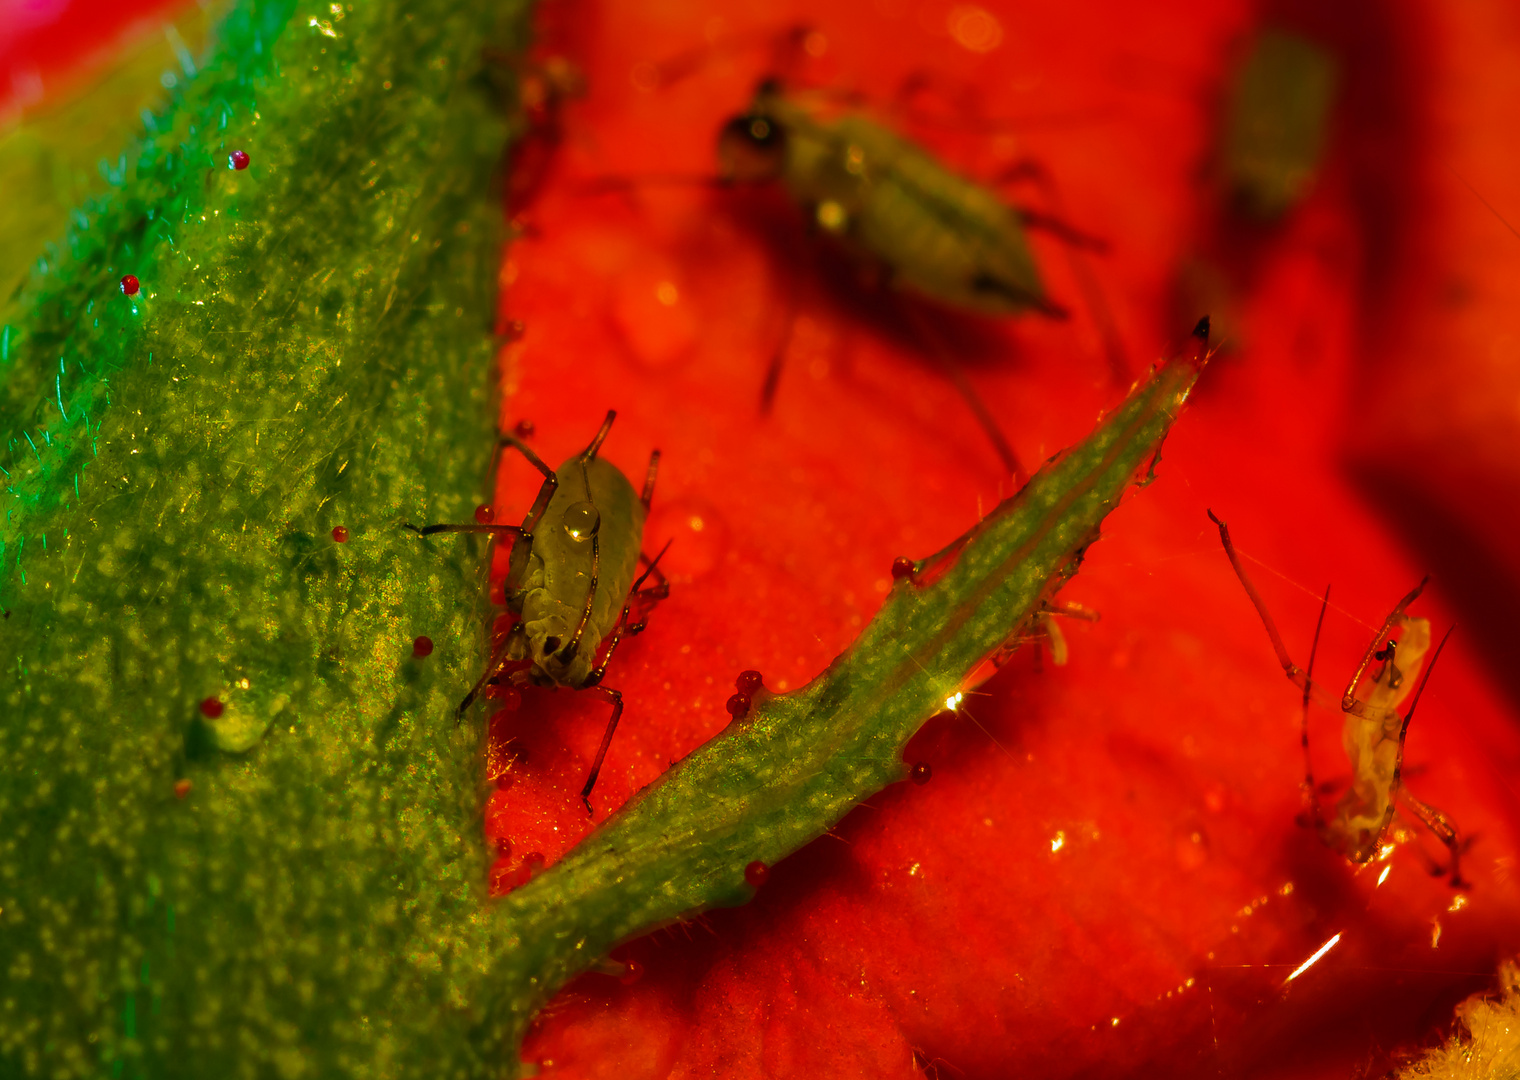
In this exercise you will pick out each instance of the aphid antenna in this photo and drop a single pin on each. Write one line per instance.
(1349, 702)
(1310, 792)
(962, 383)
(1479, 196)
(589, 454)
(1292, 670)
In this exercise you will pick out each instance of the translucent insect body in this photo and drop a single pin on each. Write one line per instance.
(1374, 732)
(571, 579)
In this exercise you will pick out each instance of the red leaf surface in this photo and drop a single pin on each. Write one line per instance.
(1104, 874)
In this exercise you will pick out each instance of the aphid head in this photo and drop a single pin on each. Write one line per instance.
(555, 655)
(751, 149)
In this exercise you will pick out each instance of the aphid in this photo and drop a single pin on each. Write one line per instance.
(1274, 133)
(1374, 732)
(570, 579)
(913, 223)
(907, 219)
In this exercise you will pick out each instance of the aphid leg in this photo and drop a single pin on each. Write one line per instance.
(573, 646)
(649, 477)
(1445, 830)
(494, 669)
(430, 530)
(654, 595)
(540, 504)
(1092, 295)
(651, 596)
(589, 454)
(1311, 793)
(962, 383)
(778, 357)
(1292, 670)
(1349, 701)
(546, 490)
(1433, 819)
(616, 699)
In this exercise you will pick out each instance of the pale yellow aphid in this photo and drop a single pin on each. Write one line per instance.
(1374, 732)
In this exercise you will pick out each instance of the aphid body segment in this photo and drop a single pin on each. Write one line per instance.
(1373, 733)
(889, 201)
(570, 578)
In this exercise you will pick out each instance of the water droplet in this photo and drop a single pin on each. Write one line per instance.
(181, 788)
(211, 708)
(340, 534)
(903, 567)
(748, 682)
(582, 520)
(524, 429)
(238, 160)
(738, 706)
(921, 772)
(485, 514)
(130, 285)
(422, 646)
(756, 874)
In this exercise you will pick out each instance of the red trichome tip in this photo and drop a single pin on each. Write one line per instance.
(738, 706)
(211, 708)
(920, 773)
(422, 646)
(524, 429)
(756, 874)
(181, 788)
(903, 567)
(634, 973)
(485, 514)
(130, 285)
(340, 534)
(238, 160)
(748, 682)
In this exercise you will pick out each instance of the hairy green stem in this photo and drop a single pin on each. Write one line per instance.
(786, 773)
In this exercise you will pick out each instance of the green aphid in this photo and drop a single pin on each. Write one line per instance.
(570, 580)
(889, 201)
(1275, 130)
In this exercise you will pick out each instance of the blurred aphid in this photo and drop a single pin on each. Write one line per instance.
(1274, 136)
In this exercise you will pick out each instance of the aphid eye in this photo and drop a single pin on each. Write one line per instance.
(582, 520)
(751, 149)
(551, 644)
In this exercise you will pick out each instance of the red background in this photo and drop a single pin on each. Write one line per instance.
(1363, 434)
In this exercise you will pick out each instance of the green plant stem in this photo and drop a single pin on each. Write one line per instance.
(792, 768)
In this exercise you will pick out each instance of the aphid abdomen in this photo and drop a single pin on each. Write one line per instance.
(560, 567)
(1372, 746)
(940, 234)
